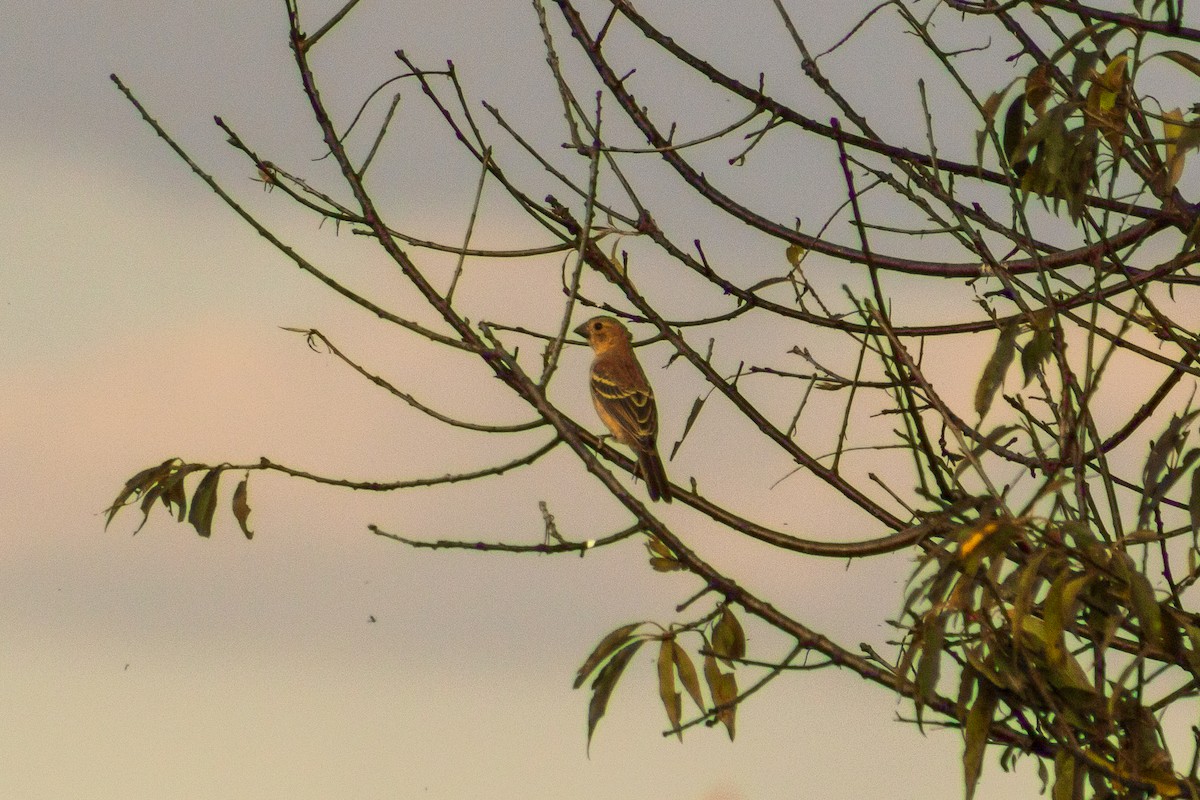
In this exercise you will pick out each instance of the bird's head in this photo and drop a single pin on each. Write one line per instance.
(603, 333)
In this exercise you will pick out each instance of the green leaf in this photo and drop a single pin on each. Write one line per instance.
(1194, 505)
(687, 674)
(993, 373)
(929, 667)
(671, 699)
(241, 508)
(795, 254)
(608, 645)
(728, 639)
(606, 681)
(204, 503)
(1064, 777)
(975, 735)
(1035, 353)
(1146, 607)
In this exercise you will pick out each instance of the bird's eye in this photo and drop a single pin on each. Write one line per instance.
(597, 326)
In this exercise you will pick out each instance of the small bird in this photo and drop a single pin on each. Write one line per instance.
(624, 399)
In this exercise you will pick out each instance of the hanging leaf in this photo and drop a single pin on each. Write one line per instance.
(995, 369)
(728, 639)
(1185, 60)
(1065, 785)
(975, 735)
(932, 638)
(1037, 87)
(241, 508)
(990, 107)
(1106, 102)
(138, 485)
(687, 674)
(723, 687)
(1014, 133)
(687, 425)
(606, 681)
(795, 254)
(671, 699)
(1194, 506)
(204, 503)
(1173, 155)
(1035, 352)
(608, 645)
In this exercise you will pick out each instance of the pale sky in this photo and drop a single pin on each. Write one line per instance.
(141, 319)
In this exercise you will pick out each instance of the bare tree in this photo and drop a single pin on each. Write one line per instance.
(1047, 613)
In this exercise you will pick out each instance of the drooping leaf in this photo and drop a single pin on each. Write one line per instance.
(795, 254)
(990, 107)
(1145, 607)
(241, 508)
(138, 485)
(933, 636)
(1173, 155)
(687, 674)
(1014, 133)
(606, 681)
(995, 369)
(723, 687)
(728, 638)
(204, 503)
(1185, 60)
(1194, 506)
(1036, 351)
(608, 645)
(1065, 784)
(687, 425)
(1037, 87)
(975, 735)
(671, 699)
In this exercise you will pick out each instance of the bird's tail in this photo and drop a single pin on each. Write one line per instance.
(651, 468)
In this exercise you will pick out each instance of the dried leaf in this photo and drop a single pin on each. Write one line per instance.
(606, 681)
(608, 645)
(687, 425)
(241, 508)
(728, 638)
(993, 373)
(1173, 155)
(1014, 134)
(1037, 87)
(1185, 60)
(671, 699)
(723, 687)
(795, 254)
(138, 485)
(687, 674)
(204, 503)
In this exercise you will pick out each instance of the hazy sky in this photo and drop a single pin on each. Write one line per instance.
(140, 319)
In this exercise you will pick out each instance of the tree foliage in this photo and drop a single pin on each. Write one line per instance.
(1047, 615)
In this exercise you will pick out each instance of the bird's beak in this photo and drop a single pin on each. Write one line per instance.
(582, 330)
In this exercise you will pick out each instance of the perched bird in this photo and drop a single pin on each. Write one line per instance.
(624, 399)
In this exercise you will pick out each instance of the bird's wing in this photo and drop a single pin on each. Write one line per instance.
(622, 391)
